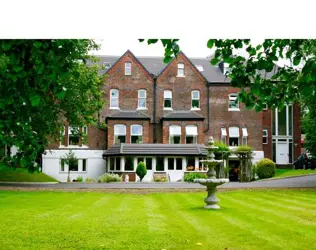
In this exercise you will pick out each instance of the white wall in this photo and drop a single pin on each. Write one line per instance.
(95, 164)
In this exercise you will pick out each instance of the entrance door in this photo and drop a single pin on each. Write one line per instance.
(282, 153)
(175, 169)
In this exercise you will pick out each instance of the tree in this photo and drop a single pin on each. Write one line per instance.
(141, 170)
(254, 73)
(43, 84)
(71, 160)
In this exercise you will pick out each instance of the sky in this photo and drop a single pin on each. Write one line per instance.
(190, 46)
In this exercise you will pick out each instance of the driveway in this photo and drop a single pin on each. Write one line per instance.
(294, 182)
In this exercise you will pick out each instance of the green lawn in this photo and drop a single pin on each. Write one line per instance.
(281, 173)
(94, 220)
(22, 175)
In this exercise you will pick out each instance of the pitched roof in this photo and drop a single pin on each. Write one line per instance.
(182, 115)
(155, 66)
(156, 149)
(128, 115)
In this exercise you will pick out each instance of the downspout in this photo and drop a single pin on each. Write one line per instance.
(154, 109)
(208, 107)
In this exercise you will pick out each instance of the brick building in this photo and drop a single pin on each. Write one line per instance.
(163, 114)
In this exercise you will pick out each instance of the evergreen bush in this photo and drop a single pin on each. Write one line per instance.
(265, 168)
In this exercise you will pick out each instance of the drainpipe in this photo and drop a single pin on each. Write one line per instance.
(106, 133)
(154, 109)
(208, 107)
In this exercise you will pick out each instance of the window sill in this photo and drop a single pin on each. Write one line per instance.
(141, 108)
(180, 76)
(114, 108)
(233, 109)
(168, 109)
(73, 172)
(74, 146)
(195, 109)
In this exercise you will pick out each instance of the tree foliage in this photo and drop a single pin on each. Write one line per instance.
(44, 83)
(261, 83)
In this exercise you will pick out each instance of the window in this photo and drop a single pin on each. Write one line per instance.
(73, 166)
(160, 164)
(167, 99)
(142, 99)
(140, 159)
(174, 134)
(195, 97)
(149, 163)
(112, 164)
(264, 136)
(114, 98)
(180, 70)
(84, 165)
(244, 136)
(128, 68)
(174, 163)
(191, 134)
(233, 102)
(117, 163)
(62, 165)
(190, 163)
(136, 134)
(233, 136)
(73, 136)
(170, 163)
(178, 163)
(223, 135)
(129, 163)
(119, 134)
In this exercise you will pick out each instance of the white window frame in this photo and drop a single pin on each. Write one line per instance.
(165, 98)
(195, 136)
(111, 99)
(141, 132)
(244, 136)
(69, 132)
(265, 135)
(170, 135)
(233, 97)
(116, 125)
(128, 68)
(223, 135)
(230, 136)
(142, 98)
(194, 98)
(180, 71)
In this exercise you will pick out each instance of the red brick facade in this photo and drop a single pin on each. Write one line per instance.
(214, 103)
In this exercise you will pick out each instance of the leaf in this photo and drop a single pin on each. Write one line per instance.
(35, 100)
(17, 68)
(141, 40)
(297, 60)
(6, 45)
(210, 43)
(61, 95)
(215, 61)
(152, 41)
(167, 59)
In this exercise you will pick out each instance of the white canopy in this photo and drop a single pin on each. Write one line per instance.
(175, 130)
(244, 132)
(224, 132)
(191, 130)
(233, 132)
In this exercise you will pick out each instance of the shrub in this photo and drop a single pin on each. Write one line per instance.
(160, 179)
(109, 178)
(141, 170)
(191, 176)
(79, 179)
(243, 148)
(90, 180)
(265, 168)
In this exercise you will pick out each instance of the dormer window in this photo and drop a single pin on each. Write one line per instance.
(107, 65)
(226, 69)
(233, 104)
(180, 70)
(128, 68)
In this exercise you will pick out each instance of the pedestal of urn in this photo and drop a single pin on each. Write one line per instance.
(211, 182)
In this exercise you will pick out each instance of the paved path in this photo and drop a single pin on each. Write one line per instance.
(295, 182)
